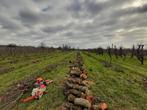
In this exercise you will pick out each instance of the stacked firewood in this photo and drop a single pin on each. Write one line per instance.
(76, 88)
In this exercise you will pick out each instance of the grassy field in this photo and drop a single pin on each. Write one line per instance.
(55, 97)
(123, 90)
(120, 85)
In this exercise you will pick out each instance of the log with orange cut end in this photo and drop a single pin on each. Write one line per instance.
(28, 99)
(103, 106)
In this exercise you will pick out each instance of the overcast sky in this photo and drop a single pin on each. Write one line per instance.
(78, 23)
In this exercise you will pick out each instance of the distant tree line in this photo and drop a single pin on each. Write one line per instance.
(13, 49)
(118, 52)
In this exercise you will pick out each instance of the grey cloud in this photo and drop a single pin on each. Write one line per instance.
(28, 16)
(69, 34)
(53, 29)
(94, 7)
(142, 9)
(8, 23)
(131, 11)
(75, 6)
(79, 23)
(85, 8)
(46, 8)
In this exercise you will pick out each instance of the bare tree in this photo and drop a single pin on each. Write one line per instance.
(140, 53)
(109, 51)
(133, 51)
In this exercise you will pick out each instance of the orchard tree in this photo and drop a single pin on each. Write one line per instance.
(133, 51)
(140, 53)
(109, 51)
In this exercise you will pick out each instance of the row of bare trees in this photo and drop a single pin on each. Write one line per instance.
(120, 52)
(139, 53)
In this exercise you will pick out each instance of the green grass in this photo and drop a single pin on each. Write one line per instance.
(123, 91)
(54, 98)
(23, 60)
(20, 73)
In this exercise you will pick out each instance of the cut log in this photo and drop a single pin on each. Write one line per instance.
(80, 88)
(90, 98)
(75, 92)
(71, 98)
(68, 105)
(74, 67)
(82, 102)
(95, 107)
(75, 72)
(76, 108)
(83, 96)
(86, 109)
(71, 106)
(75, 80)
(83, 76)
(76, 86)
(68, 85)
